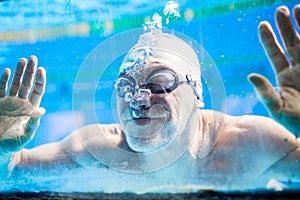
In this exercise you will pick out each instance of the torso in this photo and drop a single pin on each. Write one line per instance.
(234, 153)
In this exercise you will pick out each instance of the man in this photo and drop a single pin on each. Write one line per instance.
(161, 126)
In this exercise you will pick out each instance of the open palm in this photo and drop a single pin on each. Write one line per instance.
(19, 111)
(283, 104)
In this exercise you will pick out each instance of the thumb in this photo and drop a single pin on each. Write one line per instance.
(32, 124)
(38, 112)
(266, 93)
(30, 130)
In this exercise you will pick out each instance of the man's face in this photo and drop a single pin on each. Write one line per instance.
(152, 122)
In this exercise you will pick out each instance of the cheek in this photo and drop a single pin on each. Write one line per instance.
(182, 102)
(121, 105)
(175, 106)
(170, 102)
(164, 100)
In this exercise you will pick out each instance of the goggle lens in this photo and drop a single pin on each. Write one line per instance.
(161, 82)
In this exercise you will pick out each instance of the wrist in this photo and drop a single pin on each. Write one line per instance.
(8, 162)
(4, 162)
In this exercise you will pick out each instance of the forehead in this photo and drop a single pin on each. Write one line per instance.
(141, 72)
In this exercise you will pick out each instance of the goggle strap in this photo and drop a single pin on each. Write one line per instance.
(194, 85)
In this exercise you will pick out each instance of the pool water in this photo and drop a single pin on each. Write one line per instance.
(62, 33)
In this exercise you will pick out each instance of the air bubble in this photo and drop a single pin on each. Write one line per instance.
(171, 10)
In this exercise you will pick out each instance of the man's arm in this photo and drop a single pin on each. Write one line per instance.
(44, 158)
(51, 158)
(279, 150)
(287, 168)
(262, 143)
(82, 148)
(19, 110)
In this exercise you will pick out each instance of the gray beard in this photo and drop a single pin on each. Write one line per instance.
(151, 144)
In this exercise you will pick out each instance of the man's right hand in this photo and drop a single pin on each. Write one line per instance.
(19, 111)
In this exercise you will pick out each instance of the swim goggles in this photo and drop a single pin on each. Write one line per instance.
(159, 82)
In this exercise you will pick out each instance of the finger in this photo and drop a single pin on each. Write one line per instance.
(3, 82)
(39, 87)
(272, 48)
(16, 82)
(288, 33)
(28, 77)
(266, 93)
(297, 14)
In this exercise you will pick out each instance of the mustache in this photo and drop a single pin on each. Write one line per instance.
(156, 111)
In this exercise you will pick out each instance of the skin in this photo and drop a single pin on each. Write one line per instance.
(165, 118)
(283, 105)
(224, 151)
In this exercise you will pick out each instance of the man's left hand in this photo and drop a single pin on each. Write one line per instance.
(283, 103)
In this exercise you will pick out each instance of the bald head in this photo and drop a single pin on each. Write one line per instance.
(166, 48)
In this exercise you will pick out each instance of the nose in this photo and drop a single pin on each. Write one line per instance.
(141, 99)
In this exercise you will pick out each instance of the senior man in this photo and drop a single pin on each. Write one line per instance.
(159, 105)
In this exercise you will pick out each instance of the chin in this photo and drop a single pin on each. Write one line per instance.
(153, 139)
(147, 145)
(144, 135)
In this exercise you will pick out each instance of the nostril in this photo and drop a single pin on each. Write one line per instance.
(143, 106)
(140, 99)
(140, 103)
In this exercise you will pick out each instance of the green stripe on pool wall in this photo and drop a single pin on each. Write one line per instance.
(136, 21)
(85, 26)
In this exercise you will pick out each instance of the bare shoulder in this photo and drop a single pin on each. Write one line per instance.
(259, 135)
(275, 144)
(93, 131)
(87, 142)
(249, 133)
(251, 146)
(103, 135)
(263, 127)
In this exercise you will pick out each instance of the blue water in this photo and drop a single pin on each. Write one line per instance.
(229, 36)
